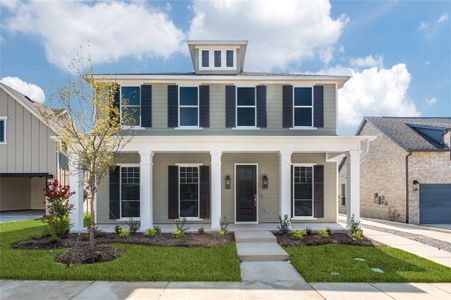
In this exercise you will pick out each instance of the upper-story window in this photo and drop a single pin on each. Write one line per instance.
(189, 106)
(303, 107)
(205, 58)
(245, 107)
(2, 130)
(229, 58)
(131, 111)
(217, 59)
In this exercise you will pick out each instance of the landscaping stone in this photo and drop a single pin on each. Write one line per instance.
(334, 273)
(359, 259)
(377, 270)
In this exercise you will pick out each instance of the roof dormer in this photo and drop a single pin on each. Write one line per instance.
(217, 57)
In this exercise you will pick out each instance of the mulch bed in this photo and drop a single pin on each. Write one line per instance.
(43, 243)
(82, 253)
(315, 240)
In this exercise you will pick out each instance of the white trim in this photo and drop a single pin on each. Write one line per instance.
(246, 128)
(302, 106)
(245, 106)
(134, 105)
(256, 190)
(308, 165)
(5, 121)
(211, 57)
(302, 128)
(188, 106)
(303, 218)
(189, 165)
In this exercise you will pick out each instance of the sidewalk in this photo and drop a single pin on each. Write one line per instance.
(17, 290)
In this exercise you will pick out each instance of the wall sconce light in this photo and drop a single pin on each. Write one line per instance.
(228, 182)
(265, 181)
(415, 185)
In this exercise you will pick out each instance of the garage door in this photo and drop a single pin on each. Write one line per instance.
(435, 203)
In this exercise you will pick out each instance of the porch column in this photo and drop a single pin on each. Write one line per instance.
(145, 189)
(285, 183)
(215, 188)
(353, 186)
(76, 185)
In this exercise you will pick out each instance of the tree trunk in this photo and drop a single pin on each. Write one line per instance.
(92, 226)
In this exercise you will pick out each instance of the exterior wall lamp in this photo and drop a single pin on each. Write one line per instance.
(228, 182)
(265, 181)
(416, 184)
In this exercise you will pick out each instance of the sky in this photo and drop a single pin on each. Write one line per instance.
(398, 53)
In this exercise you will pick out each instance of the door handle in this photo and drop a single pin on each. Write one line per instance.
(255, 200)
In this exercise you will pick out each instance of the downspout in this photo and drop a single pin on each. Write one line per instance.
(407, 186)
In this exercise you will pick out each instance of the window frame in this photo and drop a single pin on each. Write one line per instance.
(220, 58)
(294, 126)
(140, 108)
(246, 106)
(189, 165)
(5, 121)
(188, 106)
(233, 58)
(211, 59)
(202, 59)
(120, 190)
(293, 202)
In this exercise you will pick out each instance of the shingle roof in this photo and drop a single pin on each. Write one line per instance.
(405, 131)
(242, 74)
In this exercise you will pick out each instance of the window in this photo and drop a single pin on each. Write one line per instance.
(189, 192)
(343, 194)
(303, 106)
(205, 58)
(2, 130)
(129, 192)
(245, 107)
(303, 191)
(229, 58)
(189, 106)
(131, 111)
(217, 58)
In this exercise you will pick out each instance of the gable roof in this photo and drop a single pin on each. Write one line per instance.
(412, 134)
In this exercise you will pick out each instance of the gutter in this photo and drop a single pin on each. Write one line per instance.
(407, 186)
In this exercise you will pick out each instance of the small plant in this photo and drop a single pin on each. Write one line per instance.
(329, 232)
(358, 234)
(354, 226)
(298, 234)
(118, 229)
(177, 233)
(323, 233)
(284, 224)
(133, 225)
(223, 224)
(58, 227)
(180, 228)
(308, 230)
(86, 220)
(124, 233)
(152, 232)
(221, 233)
(201, 230)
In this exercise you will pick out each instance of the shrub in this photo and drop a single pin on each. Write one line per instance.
(201, 230)
(323, 233)
(152, 232)
(180, 228)
(58, 227)
(86, 220)
(221, 232)
(223, 224)
(177, 233)
(133, 225)
(308, 230)
(329, 232)
(354, 226)
(298, 234)
(118, 229)
(284, 224)
(358, 234)
(124, 233)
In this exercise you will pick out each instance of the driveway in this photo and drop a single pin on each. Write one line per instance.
(9, 216)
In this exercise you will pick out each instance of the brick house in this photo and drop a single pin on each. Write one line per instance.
(406, 172)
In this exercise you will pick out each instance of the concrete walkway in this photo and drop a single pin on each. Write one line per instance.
(80, 290)
(258, 246)
(9, 216)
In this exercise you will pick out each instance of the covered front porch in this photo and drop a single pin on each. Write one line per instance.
(248, 180)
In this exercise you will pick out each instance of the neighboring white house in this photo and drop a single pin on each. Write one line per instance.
(28, 155)
(221, 142)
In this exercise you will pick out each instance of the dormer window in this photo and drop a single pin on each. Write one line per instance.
(229, 58)
(205, 58)
(217, 59)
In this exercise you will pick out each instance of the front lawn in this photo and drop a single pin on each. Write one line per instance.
(138, 263)
(316, 263)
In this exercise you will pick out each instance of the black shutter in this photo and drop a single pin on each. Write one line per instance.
(204, 106)
(204, 197)
(319, 191)
(173, 108)
(116, 101)
(287, 102)
(230, 95)
(261, 106)
(115, 193)
(173, 192)
(318, 106)
(146, 106)
(291, 194)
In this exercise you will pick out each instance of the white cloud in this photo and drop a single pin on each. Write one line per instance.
(442, 18)
(368, 61)
(430, 101)
(374, 92)
(423, 25)
(31, 90)
(279, 32)
(112, 29)
(427, 63)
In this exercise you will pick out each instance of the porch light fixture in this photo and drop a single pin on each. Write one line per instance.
(415, 185)
(265, 181)
(228, 182)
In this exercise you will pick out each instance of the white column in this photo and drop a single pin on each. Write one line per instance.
(285, 183)
(215, 188)
(145, 189)
(353, 186)
(76, 185)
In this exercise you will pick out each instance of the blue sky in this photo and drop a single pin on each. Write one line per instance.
(397, 52)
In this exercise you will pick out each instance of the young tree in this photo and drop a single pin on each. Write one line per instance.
(89, 126)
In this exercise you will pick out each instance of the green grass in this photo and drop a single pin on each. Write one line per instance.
(138, 263)
(315, 263)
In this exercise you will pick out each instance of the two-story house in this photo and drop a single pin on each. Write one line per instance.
(221, 142)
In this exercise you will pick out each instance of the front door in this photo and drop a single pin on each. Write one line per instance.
(246, 193)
